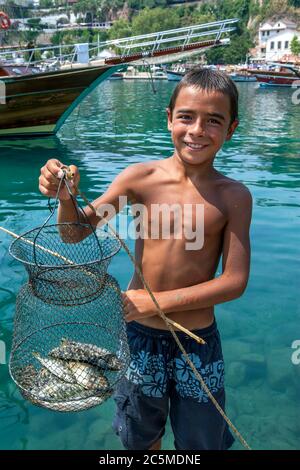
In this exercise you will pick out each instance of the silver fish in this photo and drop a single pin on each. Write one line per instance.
(85, 352)
(87, 376)
(59, 390)
(57, 367)
(71, 405)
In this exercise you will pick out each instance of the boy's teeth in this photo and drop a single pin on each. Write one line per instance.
(195, 146)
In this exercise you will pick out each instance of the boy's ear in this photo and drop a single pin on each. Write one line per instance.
(231, 129)
(169, 114)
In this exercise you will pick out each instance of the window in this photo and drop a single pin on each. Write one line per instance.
(286, 44)
(268, 33)
(279, 45)
(272, 45)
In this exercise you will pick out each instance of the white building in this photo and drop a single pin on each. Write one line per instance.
(22, 3)
(275, 39)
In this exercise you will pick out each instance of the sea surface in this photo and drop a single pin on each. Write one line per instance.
(124, 122)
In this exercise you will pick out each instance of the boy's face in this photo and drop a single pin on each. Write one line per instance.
(200, 124)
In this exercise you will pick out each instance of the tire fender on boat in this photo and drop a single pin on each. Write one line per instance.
(4, 20)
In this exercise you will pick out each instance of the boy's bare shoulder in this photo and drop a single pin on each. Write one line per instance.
(143, 169)
(234, 193)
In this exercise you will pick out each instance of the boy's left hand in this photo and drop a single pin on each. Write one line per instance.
(138, 304)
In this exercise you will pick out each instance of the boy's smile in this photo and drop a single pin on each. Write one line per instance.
(200, 124)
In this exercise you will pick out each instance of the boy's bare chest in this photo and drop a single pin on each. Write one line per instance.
(183, 207)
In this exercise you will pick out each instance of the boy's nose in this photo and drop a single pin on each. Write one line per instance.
(198, 127)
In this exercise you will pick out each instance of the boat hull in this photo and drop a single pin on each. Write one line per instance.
(265, 80)
(242, 78)
(276, 78)
(174, 76)
(39, 104)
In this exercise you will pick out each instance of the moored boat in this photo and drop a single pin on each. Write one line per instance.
(277, 75)
(174, 76)
(242, 77)
(37, 104)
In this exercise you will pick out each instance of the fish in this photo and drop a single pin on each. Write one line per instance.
(86, 352)
(71, 405)
(57, 389)
(88, 376)
(57, 367)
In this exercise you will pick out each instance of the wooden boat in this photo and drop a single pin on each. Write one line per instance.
(34, 102)
(37, 104)
(281, 75)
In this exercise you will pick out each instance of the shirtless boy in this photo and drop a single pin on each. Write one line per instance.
(202, 115)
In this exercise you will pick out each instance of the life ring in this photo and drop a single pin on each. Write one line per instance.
(4, 20)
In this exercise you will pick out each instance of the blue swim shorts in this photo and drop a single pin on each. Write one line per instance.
(159, 382)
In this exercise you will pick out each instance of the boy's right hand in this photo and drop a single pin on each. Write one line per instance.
(50, 178)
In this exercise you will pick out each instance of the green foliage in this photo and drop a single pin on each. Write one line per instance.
(295, 45)
(47, 4)
(120, 29)
(149, 21)
(235, 53)
(73, 37)
(140, 4)
(294, 3)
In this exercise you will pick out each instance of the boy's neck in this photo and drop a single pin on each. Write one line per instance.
(195, 173)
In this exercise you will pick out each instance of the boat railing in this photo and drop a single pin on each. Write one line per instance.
(55, 56)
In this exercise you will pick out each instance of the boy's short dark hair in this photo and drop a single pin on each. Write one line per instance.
(209, 80)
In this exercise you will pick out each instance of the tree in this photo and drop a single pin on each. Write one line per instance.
(234, 53)
(120, 29)
(46, 3)
(149, 21)
(295, 45)
(89, 8)
(294, 3)
(35, 28)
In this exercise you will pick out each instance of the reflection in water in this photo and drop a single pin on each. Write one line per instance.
(123, 123)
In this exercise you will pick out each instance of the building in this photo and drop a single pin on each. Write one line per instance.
(275, 39)
(20, 3)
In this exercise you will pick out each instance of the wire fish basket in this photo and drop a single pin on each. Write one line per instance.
(66, 262)
(69, 344)
(69, 359)
(62, 271)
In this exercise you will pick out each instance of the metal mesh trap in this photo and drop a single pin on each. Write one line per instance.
(69, 359)
(61, 270)
(69, 344)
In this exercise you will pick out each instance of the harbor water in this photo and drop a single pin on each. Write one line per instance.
(124, 122)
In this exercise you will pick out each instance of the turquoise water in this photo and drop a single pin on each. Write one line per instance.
(122, 123)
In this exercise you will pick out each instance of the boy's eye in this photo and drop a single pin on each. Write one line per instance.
(184, 116)
(214, 121)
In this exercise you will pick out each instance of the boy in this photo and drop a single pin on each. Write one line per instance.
(202, 115)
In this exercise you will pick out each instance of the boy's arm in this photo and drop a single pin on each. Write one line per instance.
(121, 190)
(233, 280)
(119, 193)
